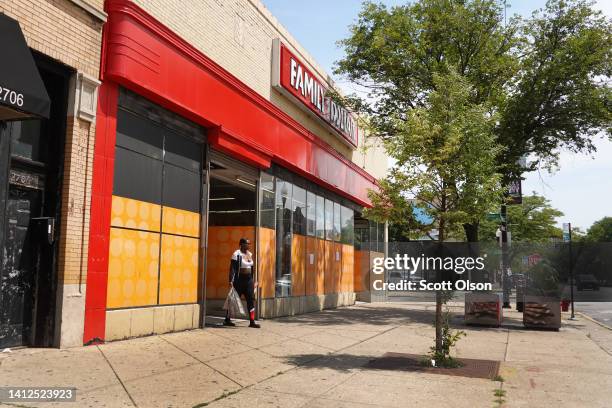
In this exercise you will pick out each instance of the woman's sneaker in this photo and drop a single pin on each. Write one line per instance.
(254, 325)
(228, 322)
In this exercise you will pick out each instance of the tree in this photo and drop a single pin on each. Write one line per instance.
(535, 220)
(600, 231)
(445, 160)
(545, 78)
(560, 97)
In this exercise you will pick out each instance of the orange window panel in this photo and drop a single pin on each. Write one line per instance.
(362, 261)
(135, 214)
(267, 262)
(298, 265)
(178, 270)
(320, 260)
(337, 267)
(329, 267)
(348, 263)
(132, 268)
(222, 242)
(181, 222)
(311, 266)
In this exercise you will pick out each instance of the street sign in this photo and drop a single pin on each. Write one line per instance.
(494, 217)
(567, 237)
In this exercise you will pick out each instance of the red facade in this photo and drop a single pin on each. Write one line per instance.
(140, 54)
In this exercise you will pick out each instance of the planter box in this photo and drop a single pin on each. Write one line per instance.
(542, 312)
(484, 309)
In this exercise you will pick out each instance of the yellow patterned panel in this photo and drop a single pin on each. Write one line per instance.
(179, 270)
(132, 268)
(222, 242)
(129, 213)
(181, 222)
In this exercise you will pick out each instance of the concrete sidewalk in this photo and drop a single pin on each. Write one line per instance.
(318, 360)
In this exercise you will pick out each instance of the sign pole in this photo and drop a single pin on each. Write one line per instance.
(571, 265)
(504, 243)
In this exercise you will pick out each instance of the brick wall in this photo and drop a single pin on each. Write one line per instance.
(59, 29)
(237, 34)
(67, 33)
(76, 196)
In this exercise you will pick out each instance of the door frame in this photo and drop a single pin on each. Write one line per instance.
(230, 162)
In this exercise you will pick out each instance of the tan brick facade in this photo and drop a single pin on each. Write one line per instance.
(68, 31)
(238, 34)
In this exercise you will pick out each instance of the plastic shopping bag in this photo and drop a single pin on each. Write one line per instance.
(233, 304)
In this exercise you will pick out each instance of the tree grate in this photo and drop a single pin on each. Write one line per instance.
(472, 368)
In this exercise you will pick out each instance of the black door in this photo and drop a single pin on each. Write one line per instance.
(32, 157)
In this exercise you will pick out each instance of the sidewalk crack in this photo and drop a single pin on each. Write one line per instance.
(507, 343)
(117, 376)
(201, 362)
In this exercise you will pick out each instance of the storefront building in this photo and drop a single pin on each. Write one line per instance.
(48, 83)
(212, 125)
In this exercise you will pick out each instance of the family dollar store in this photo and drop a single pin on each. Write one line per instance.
(214, 124)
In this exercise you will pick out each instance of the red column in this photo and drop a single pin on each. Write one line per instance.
(99, 228)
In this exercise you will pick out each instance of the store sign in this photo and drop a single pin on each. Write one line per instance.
(292, 78)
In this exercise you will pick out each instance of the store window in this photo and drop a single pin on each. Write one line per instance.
(155, 215)
(320, 217)
(311, 213)
(362, 233)
(284, 237)
(299, 210)
(267, 206)
(346, 218)
(337, 223)
(329, 219)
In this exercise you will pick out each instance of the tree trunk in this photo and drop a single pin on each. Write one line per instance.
(438, 322)
(471, 232)
(441, 237)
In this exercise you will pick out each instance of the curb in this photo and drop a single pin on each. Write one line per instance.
(605, 326)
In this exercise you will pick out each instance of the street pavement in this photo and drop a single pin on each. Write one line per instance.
(320, 360)
(600, 311)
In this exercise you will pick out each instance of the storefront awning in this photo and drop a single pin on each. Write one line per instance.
(22, 91)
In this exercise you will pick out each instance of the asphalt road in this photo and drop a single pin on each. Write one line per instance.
(600, 311)
(597, 304)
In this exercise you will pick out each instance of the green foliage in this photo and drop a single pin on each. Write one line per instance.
(560, 96)
(547, 78)
(395, 53)
(535, 220)
(600, 231)
(445, 160)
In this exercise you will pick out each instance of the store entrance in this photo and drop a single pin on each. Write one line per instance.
(30, 195)
(232, 214)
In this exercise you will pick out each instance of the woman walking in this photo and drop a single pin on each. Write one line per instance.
(241, 278)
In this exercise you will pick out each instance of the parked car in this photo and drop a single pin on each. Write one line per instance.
(586, 281)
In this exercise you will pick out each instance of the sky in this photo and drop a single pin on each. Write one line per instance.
(581, 188)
